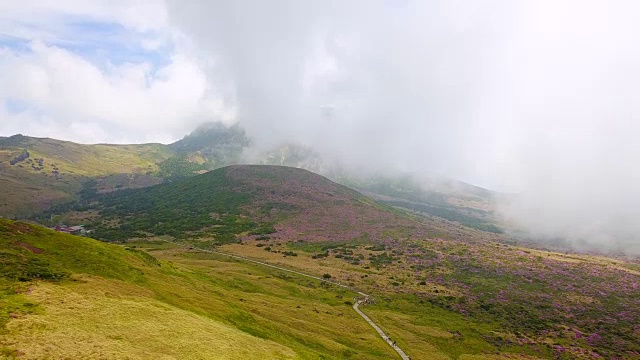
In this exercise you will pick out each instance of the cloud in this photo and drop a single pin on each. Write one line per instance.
(46, 20)
(388, 83)
(535, 97)
(130, 102)
(100, 72)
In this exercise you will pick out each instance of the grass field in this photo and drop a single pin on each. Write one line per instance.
(77, 298)
(55, 170)
(453, 299)
(424, 331)
(439, 298)
(106, 319)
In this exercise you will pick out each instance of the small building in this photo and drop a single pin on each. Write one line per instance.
(74, 230)
(77, 230)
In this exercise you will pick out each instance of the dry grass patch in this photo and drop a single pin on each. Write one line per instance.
(339, 269)
(104, 319)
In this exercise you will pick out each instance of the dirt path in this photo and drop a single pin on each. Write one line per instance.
(380, 332)
(355, 306)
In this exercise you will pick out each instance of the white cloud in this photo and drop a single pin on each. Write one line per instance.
(535, 96)
(18, 16)
(130, 102)
(67, 93)
(538, 96)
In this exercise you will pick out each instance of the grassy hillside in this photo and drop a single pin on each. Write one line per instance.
(40, 172)
(454, 297)
(68, 297)
(256, 200)
(451, 200)
(440, 287)
(447, 199)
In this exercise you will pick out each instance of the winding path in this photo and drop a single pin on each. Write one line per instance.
(384, 336)
(380, 332)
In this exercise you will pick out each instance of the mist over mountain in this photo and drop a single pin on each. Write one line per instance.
(215, 139)
(335, 179)
(513, 97)
(534, 98)
(555, 223)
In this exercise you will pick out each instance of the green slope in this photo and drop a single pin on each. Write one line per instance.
(37, 173)
(54, 171)
(201, 205)
(476, 295)
(69, 297)
(59, 171)
(448, 199)
(249, 200)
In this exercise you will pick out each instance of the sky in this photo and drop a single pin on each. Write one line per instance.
(537, 97)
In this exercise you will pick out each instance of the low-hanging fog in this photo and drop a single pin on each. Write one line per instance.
(535, 97)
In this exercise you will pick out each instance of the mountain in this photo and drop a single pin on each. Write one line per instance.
(300, 156)
(432, 196)
(208, 147)
(442, 289)
(38, 172)
(41, 173)
(443, 198)
(258, 199)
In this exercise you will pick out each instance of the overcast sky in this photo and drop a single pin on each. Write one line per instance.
(536, 97)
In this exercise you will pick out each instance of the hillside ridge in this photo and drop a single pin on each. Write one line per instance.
(236, 201)
(39, 173)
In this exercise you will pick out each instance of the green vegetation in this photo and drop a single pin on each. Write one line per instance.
(381, 260)
(39, 173)
(225, 204)
(54, 171)
(206, 206)
(178, 167)
(18, 158)
(433, 333)
(151, 300)
(484, 297)
(448, 213)
(27, 253)
(452, 295)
